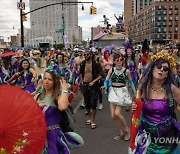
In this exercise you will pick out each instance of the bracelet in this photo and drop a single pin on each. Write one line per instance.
(65, 91)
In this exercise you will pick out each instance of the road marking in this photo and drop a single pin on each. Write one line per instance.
(77, 107)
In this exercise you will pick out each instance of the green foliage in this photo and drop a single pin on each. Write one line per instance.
(58, 46)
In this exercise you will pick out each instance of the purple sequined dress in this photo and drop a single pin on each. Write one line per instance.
(157, 127)
(57, 141)
(132, 68)
(26, 83)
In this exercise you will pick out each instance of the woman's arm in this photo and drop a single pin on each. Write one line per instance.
(109, 74)
(32, 71)
(176, 94)
(63, 101)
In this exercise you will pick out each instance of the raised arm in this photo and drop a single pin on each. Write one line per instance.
(176, 94)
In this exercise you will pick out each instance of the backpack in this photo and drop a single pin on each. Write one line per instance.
(67, 120)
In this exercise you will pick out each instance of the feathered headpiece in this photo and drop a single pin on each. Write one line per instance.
(166, 57)
(127, 45)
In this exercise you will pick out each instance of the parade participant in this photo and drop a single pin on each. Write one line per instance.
(108, 62)
(77, 62)
(40, 63)
(52, 102)
(91, 73)
(76, 68)
(28, 76)
(145, 59)
(131, 63)
(4, 72)
(118, 95)
(159, 94)
(62, 67)
(98, 59)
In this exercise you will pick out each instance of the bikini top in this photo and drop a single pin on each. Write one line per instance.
(119, 76)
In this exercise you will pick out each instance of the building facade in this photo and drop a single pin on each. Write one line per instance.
(156, 20)
(48, 22)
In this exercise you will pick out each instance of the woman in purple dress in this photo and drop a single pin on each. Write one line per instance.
(28, 76)
(158, 130)
(131, 63)
(52, 102)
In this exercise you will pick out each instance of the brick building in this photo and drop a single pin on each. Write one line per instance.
(154, 20)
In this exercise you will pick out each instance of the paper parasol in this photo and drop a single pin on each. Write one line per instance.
(22, 123)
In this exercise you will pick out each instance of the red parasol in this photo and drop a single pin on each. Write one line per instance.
(135, 120)
(6, 54)
(74, 91)
(22, 123)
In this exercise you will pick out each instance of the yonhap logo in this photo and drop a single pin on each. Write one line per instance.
(143, 139)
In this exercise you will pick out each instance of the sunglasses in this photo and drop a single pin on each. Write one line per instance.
(87, 54)
(165, 68)
(120, 59)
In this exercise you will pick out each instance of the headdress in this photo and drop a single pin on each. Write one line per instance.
(166, 57)
(127, 45)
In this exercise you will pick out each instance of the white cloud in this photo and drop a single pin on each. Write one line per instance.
(10, 15)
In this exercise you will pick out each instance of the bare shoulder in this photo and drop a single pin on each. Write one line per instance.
(174, 89)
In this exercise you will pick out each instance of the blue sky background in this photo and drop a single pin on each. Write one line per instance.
(9, 15)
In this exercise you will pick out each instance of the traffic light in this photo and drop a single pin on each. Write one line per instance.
(94, 10)
(91, 10)
(24, 16)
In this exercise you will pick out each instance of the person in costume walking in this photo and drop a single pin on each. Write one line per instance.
(52, 102)
(119, 95)
(158, 120)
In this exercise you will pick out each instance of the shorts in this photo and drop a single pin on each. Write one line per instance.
(90, 96)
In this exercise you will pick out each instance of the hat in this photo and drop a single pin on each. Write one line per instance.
(93, 49)
(53, 49)
(36, 52)
(88, 51)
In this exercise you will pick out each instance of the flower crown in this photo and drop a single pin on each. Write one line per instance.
(166, 57)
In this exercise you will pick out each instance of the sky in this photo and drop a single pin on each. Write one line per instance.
(10, 18)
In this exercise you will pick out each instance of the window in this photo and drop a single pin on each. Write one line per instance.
(170, 12)
(176, 18)
(175, 36)
(170, 36)
(164, 36)
(164, 30)
(170, 24)
(170, 30)
(176, 30)
(176, 7)
(171, 7)
(176, 12)
(170, 18)
(176, 23)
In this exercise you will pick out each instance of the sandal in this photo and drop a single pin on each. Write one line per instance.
(93, 126)
(118, 137)
(88, 122)
(127, 135)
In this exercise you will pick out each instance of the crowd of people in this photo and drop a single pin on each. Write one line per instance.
(50, 76)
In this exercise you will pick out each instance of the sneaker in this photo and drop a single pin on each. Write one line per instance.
(100, 107)
(82, 105)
